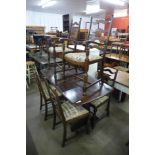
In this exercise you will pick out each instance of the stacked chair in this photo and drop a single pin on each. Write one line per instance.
(84, 59)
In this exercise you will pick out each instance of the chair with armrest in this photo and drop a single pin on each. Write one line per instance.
(84, 59)
(109, 76)
(67, 113)
(62, 45)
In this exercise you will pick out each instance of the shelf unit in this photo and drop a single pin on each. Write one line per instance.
(66, 22)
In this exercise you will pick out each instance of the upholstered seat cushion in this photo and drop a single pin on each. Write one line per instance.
(30, 63)
(60, 49)
(78, 47)
(100, 101)
(79, 58)
(71, 112)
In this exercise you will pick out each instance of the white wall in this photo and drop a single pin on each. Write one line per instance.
(54, 20)
(44, 19)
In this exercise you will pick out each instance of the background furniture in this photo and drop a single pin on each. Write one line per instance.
(66, 22)
(36, 29)
(30, 70)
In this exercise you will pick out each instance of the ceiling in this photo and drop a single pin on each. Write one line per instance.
(76, 7)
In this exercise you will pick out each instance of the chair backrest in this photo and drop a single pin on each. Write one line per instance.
(74, 30)
(42, 87)
(55, 99)
(109, 75)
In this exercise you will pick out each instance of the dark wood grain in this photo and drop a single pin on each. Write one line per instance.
(72, 88)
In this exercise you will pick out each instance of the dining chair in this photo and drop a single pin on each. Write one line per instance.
(109, 76)
(67, 113)
(44, 95)
(83, 59)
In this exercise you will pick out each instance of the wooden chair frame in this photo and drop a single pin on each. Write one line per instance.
(107, 77)
(103, 49)
(58, 111)
(43, 96)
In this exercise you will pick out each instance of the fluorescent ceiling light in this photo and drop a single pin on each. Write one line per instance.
(120, 13)
(46, 3)
(90, 9)
(116, 2)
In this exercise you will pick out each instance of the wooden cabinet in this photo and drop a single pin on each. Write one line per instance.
(36, 29)
(83, 35)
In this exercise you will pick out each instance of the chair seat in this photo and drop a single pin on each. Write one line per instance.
(71, 112)
(60, 49)
(79, 58)
(121, 68)
(100, 101)
(78, 47)
(30, 63)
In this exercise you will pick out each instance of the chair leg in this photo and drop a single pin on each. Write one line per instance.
(87, 126)
(93, 117)
(54, 118)
(85, 79)
(64, 69)
(27, 86)
(64, 135)
(41, 102)
(108, 107)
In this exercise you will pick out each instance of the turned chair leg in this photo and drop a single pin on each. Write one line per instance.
(93, 117)
(108, 107)
(64, 135)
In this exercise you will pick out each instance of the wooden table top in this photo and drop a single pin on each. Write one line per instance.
(75, 95)
(71, 88)
(118, 57)
(43, 58)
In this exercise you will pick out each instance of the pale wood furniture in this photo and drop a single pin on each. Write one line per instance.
(37, 29)
(30, 70)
